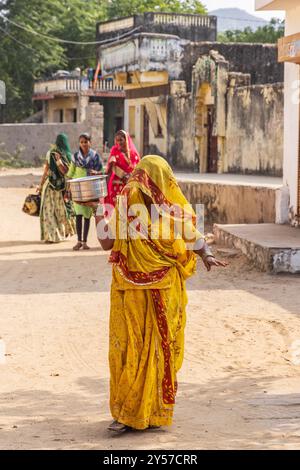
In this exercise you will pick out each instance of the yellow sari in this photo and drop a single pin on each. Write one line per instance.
(148, 301)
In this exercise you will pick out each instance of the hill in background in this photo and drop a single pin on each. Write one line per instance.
(235, 18)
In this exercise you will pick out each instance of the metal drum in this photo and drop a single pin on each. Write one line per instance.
(88, 189)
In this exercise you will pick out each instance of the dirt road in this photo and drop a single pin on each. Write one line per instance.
(239, 386)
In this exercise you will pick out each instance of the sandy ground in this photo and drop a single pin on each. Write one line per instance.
(239, 387)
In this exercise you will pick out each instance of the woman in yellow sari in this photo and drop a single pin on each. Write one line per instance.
(148, 295)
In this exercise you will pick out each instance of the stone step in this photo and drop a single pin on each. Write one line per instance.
(272, 248)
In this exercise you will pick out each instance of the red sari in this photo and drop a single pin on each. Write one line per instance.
(120, 165)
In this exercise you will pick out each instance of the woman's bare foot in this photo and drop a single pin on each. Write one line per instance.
(78, 246)
(117, 428)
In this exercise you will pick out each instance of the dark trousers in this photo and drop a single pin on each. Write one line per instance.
(86, 229)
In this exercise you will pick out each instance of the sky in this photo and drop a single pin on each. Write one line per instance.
(248, 5)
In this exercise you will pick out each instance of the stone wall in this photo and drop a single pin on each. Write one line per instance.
(247, 121)
(180, 119)
(35, 139)
(186, 26)
(232, 204)
(254, 131)
(95, 124)
(259, 60)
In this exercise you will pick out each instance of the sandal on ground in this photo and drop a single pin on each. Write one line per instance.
(117, 428)
(85, 247)
(78, 246)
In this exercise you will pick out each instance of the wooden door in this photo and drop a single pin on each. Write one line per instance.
(212, 143)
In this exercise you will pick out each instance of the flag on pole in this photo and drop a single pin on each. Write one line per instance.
(98, 69)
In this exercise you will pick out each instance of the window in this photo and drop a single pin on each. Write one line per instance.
(58, 115)
(71, 115)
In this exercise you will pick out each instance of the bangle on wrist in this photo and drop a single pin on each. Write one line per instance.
(206, 254)
(100, 210)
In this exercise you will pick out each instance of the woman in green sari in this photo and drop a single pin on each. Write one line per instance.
(56, 215)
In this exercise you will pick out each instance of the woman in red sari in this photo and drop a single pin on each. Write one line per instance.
(123, 159)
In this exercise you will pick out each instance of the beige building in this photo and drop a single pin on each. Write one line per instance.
(147, 55)
(67, 100)
(289, 52)
(205, 106)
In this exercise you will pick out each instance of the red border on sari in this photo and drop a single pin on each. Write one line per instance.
(168, 390)
(136, 277)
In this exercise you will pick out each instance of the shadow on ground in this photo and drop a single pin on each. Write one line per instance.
(207, 417)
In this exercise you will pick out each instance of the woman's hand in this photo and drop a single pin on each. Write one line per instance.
(211, 261)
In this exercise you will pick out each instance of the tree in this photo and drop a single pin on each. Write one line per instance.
(29, 52)
(265, 34)
(26, 56)
(117, 8)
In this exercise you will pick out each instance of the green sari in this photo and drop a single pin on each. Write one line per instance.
(57, 181)
(57, 213)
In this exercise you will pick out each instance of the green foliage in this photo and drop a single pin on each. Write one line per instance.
(266, 34)
(117, 8)
(25, 56)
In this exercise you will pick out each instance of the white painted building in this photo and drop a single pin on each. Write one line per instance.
(289, 52)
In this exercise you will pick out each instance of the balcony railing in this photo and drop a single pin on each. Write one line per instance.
(116, 25)
(183, 20)
(75, 85)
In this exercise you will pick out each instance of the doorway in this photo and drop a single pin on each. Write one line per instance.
(113, 118)
(119, 123)
(206, 143)
(212, 143)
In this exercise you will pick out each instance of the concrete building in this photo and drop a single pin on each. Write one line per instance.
(289, 52)
(66, 100)
(204, 106)
(234, 104)
(147, 55)
(276, 247)
(199, 103)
